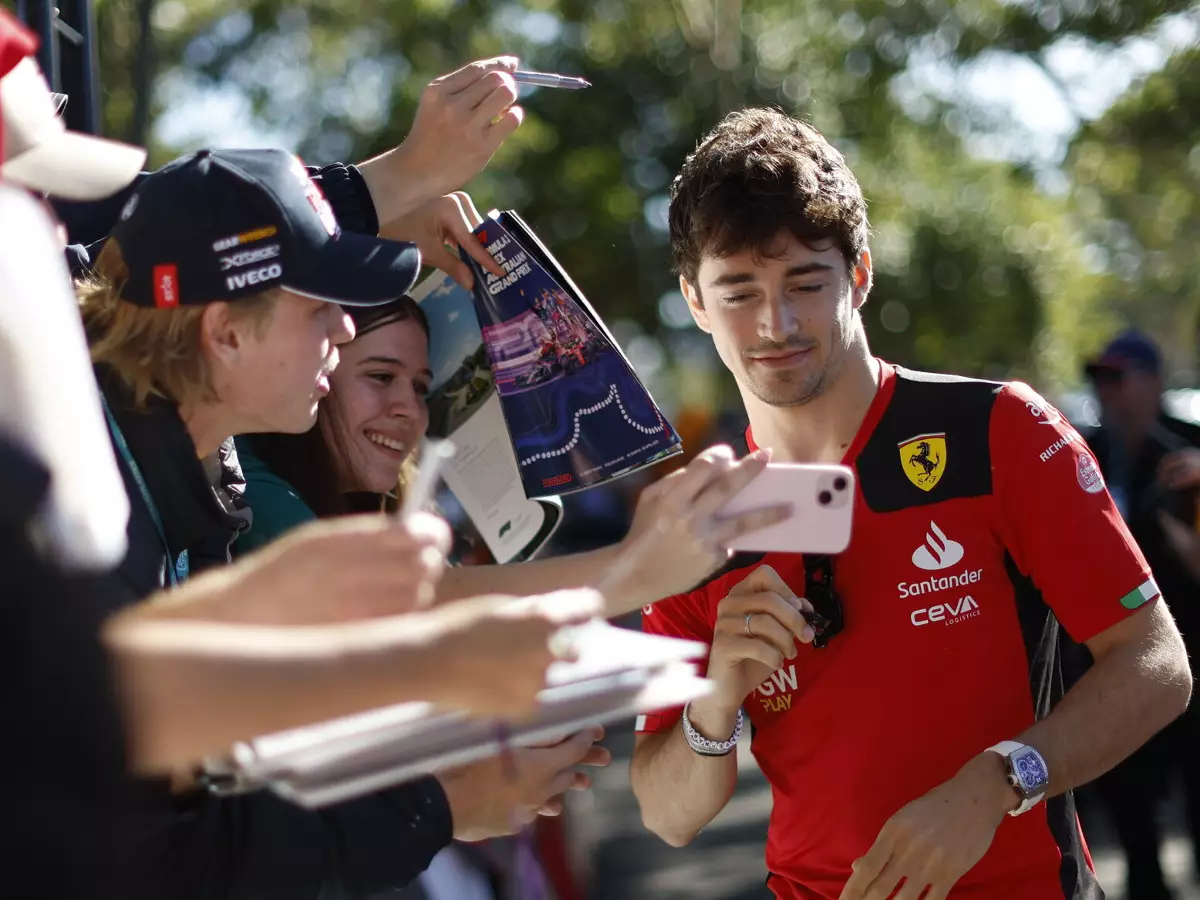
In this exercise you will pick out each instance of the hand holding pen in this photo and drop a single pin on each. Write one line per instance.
(462, 119)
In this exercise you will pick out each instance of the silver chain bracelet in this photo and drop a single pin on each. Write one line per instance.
(702, 745)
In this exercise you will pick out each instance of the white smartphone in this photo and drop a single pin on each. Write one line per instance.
(822, 500)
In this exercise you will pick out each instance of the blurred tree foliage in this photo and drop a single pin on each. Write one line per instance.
(978, 270)
(1136, 173)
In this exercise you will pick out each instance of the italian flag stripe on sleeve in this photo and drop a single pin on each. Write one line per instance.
(1148, 590)
(648, 723)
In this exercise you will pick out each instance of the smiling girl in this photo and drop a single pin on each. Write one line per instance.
(367, 428)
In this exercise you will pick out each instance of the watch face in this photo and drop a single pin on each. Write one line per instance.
(1030, 769)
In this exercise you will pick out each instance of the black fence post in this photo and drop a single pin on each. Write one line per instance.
(66, 33)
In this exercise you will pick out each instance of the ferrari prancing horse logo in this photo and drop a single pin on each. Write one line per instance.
(924, 459)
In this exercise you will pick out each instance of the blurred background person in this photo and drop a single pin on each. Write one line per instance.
(1147, 459)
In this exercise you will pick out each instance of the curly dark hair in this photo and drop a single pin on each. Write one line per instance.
(760, 171)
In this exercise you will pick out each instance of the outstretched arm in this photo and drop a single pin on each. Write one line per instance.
(193, 684)
(462, 120)
(678, 789)
(678, 538)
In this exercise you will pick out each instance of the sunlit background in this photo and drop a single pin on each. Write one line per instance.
(1031, 167)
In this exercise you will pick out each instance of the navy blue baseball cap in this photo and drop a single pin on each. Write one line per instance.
(1131, 350)
(225, 224)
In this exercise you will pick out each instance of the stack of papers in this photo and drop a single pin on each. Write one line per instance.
(618, 674)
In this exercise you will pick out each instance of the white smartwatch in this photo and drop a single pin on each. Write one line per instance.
(1027, 773)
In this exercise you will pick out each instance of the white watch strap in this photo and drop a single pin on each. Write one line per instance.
(1006, 749)
(1027, 805)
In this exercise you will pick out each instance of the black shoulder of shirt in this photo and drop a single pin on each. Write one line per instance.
(954, 408)
(88, 223)
(953, 415)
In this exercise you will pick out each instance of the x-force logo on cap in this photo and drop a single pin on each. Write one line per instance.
(246, 257)
(246, 237)
(254, 276)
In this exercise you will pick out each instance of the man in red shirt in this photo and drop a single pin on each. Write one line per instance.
(922, 705)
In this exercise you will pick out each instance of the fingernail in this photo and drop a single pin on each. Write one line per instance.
(808, 633)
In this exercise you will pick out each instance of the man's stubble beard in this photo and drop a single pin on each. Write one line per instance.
(791, 389)
(796, 390)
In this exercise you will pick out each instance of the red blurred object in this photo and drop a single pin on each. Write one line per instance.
(550, 837)
(16, 43)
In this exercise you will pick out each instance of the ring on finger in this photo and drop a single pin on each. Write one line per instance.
(749, 630)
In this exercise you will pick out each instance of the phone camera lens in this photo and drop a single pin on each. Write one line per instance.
(839, 483)
(824, 498)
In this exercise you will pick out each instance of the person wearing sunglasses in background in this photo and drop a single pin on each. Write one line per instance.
(1149, 461)
(905, 695)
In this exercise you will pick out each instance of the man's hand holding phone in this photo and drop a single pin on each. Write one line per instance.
(758, 625)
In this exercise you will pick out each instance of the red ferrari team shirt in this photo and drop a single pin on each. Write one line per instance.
(981, 525)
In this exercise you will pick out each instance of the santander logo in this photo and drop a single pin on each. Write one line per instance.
(938, 551)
